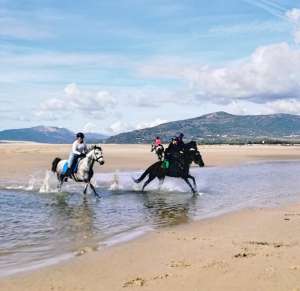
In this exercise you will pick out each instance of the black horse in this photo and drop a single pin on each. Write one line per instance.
(179, 168)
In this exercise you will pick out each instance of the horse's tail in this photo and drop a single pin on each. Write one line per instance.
(147, 172)
(54, 164)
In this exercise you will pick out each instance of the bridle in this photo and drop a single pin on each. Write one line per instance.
(100, 157)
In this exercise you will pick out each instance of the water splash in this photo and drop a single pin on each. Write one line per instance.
(115, 185)
(47, 187)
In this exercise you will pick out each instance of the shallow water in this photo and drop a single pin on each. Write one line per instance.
(39, 226)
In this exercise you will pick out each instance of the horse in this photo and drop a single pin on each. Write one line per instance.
(159, 150)
(178, 168)
(84, 171)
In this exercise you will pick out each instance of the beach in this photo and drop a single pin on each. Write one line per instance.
(249, 249)
(22, 160)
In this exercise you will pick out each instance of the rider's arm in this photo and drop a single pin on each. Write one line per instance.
(74, 148)
(85, 148)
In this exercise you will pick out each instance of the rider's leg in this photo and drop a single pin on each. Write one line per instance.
(71, 160)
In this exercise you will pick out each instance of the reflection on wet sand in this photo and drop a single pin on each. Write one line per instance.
(75, 223)
(167, 212)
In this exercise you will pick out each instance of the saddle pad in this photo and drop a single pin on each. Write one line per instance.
(66, 165)
(65, 168)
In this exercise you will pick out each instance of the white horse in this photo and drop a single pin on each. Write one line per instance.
(84, 171)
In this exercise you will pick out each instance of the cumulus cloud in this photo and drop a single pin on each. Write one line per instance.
(271, 72)
(91, 103)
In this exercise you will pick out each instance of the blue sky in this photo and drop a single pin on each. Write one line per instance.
(111, 66)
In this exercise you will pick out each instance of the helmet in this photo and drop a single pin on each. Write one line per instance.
(80, 134)
(157, 137)
(181, 135)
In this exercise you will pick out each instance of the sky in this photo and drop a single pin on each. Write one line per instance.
(113, 66)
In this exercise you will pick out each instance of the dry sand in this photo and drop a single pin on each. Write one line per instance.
(24, 160)
(249, 250)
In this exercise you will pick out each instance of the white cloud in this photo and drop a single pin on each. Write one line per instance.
(271, 72)
(291, 106)
(90, 127)
(90, 103)
(294, 15)
(119, 126)
(147, 124)
(72, 90)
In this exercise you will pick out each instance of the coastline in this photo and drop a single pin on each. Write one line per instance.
(249, 249)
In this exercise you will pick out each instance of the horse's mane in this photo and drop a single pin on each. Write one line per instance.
(94, 147)
(191, 145)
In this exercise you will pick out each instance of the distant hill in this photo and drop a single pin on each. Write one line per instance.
(220, 127)
(45, 134)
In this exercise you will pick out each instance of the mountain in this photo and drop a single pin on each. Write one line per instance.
(45, 134)
(220, 127)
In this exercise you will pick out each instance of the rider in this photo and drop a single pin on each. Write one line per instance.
(157, 141)
(174, 151)
(79, 150)
(180, 142)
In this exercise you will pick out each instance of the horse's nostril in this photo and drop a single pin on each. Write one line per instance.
(102, 163)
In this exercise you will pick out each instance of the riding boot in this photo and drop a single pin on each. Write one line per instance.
(70, 174)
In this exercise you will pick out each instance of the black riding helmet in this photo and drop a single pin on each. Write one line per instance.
(80, 135)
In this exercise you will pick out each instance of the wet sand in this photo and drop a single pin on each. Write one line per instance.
(248, 250)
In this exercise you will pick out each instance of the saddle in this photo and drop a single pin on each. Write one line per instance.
(74, 167)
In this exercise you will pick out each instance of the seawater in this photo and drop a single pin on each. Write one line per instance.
(39, 226)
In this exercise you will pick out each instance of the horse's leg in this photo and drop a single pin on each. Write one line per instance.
(188, 182)
(194, 180)
(94, 190)
(85, 188)
(148, 181)
(161, 181)
(59, 186)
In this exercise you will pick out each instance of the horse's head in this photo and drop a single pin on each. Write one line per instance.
(97, 154)
(194, 154)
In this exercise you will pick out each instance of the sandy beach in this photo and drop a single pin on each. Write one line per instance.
(252, 249)
(23, 160)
